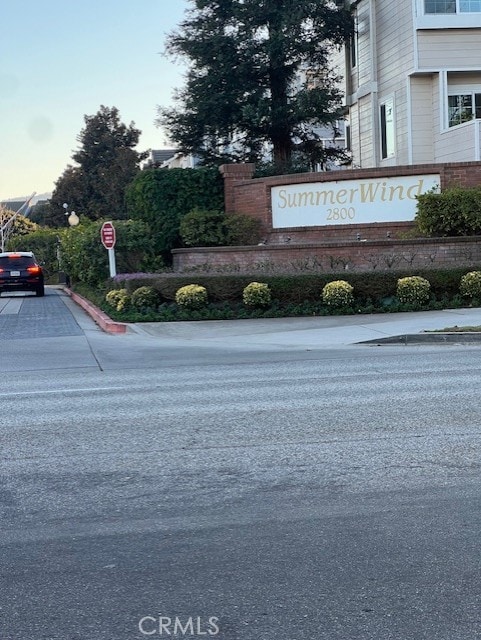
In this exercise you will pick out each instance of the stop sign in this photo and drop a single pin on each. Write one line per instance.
(107, 234)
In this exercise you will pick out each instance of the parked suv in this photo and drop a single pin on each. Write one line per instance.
(20, 271)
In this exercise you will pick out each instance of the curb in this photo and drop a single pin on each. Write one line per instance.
(455, 337)
(104, 322)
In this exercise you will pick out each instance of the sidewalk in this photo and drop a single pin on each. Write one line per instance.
(328, 331)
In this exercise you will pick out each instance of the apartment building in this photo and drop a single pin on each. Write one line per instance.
(413, 82)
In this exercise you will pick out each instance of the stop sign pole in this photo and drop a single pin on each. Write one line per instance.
(107, 235)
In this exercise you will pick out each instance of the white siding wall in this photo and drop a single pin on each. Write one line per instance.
(437, 112)
(366, 156)
(361, 92)
(363, 71)
(395, 60)
(385, 57)
(361, 129)
(457, 144)
(423, 89)
(468, 80)
(449, 49)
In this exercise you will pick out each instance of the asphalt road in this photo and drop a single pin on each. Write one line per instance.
(148, 488)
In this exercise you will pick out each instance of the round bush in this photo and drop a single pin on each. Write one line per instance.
(200, 228)
(470, 285)
(413, 290)
(118, 299)
(145, 298)
(256, 294)
(338, 293)
(192, 296)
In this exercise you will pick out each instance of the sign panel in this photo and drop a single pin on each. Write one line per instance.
(107, 234)
(349, 201)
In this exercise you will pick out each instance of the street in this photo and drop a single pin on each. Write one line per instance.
(160, 487)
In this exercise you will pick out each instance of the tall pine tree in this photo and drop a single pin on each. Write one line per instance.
(246, 83)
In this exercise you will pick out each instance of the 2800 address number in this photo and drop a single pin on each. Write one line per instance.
(344, 213)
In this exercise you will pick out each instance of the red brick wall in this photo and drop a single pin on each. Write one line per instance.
(331, 233)
(335, 256)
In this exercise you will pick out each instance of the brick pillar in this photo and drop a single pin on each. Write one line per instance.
(232, 174)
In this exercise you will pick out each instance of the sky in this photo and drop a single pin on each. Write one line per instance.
(61, 60)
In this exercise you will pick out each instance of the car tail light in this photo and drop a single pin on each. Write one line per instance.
(2, 270)
(33, 269)
(14, 255)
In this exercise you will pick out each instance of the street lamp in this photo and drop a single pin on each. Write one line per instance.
(73, 218)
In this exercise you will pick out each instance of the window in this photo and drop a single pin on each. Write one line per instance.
(463, 107)
(469, 6)
(439, 6)
(452, 6)
(387, 129)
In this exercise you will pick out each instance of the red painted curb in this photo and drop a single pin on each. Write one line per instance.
(101, 318)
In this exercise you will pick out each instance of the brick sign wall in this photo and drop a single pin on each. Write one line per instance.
(254, 197)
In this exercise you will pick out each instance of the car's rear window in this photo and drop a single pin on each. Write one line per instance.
(16, 262)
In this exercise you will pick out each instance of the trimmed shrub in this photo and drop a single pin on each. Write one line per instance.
(206, 228)
(257, 294)
(145, 298)
(192, 296)
(454, 212)
(413, 290)
(242, 230)
(470, 285)
(338, 293)
(203, 228)
(118, 299)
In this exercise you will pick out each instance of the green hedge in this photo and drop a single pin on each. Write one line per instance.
(297, 288)
(85, 259)
(161, 197)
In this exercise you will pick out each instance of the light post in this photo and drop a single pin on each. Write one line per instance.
(72, 218)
